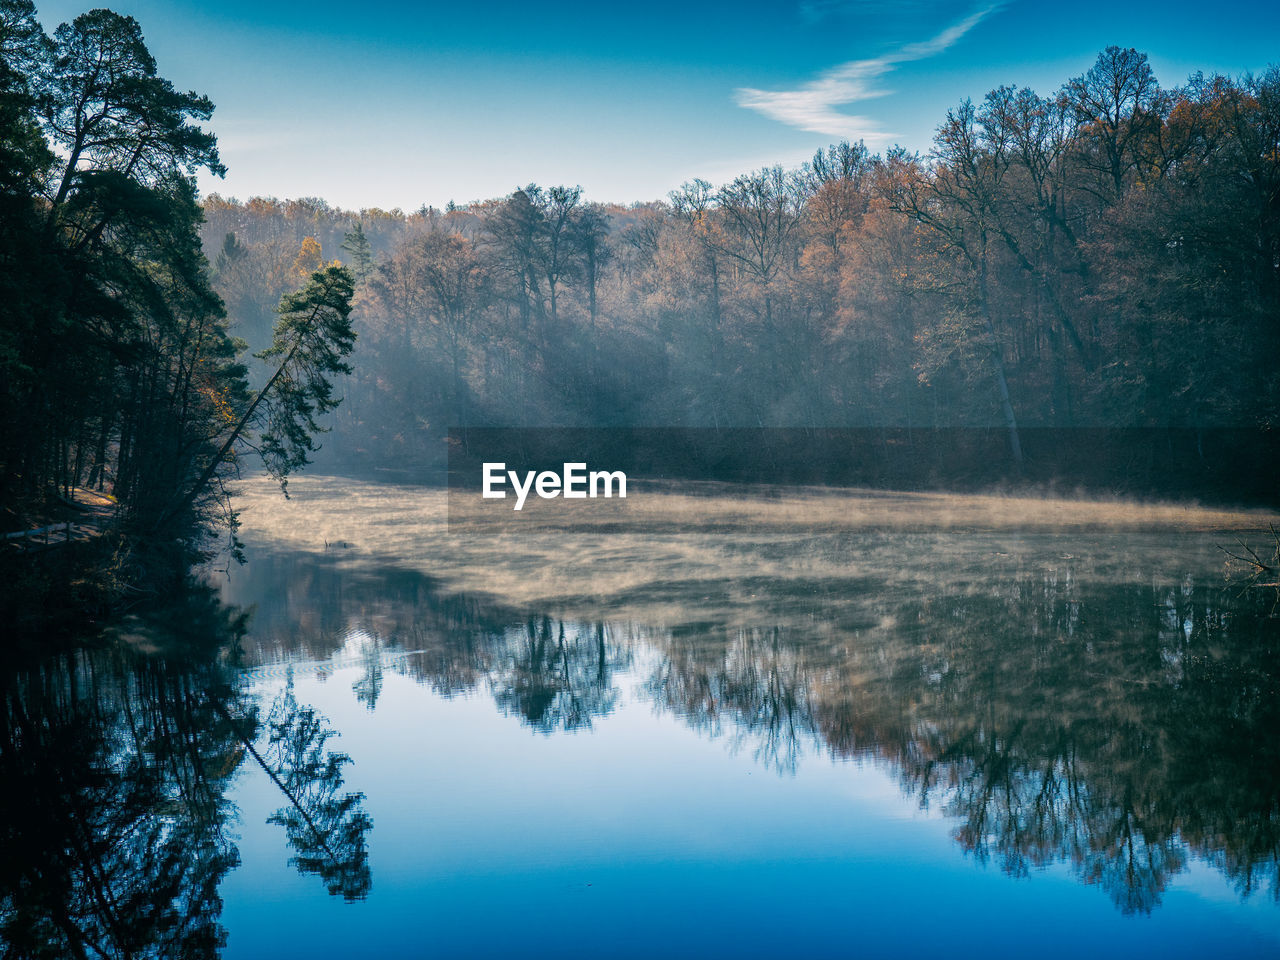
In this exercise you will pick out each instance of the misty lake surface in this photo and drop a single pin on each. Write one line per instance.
(709, 721)
(763, 723)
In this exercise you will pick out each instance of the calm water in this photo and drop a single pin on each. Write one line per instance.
(819, 725)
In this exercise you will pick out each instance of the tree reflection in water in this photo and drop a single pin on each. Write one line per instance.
(555, 680)
(326, 828)
(753, 687)
(1123, 728)
(115, 761)
(1120, 727)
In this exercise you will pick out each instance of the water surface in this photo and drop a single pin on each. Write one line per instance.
(825, 723)
(739, 724)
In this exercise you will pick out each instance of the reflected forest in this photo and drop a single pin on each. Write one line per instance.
(116, 761)
(1054, 717)
(1051, 719)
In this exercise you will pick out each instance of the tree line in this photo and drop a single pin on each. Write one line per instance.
(1104, 256)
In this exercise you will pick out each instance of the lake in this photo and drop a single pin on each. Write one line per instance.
(726, 722)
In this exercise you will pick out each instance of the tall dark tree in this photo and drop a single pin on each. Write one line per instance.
(360, 250)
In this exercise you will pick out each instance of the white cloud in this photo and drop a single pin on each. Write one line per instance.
(814, 106)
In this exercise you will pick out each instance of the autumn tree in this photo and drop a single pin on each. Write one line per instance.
(308, 259)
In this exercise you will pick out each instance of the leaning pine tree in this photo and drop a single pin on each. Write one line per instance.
(313, 337)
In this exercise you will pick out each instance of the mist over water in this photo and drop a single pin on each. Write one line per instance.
(612, 553)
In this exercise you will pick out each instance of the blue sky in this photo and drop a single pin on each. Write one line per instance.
(383, 103)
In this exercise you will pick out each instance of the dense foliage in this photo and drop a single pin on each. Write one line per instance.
(117, 370)
(1105, 256)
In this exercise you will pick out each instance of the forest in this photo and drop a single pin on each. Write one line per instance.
(1102, 257)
